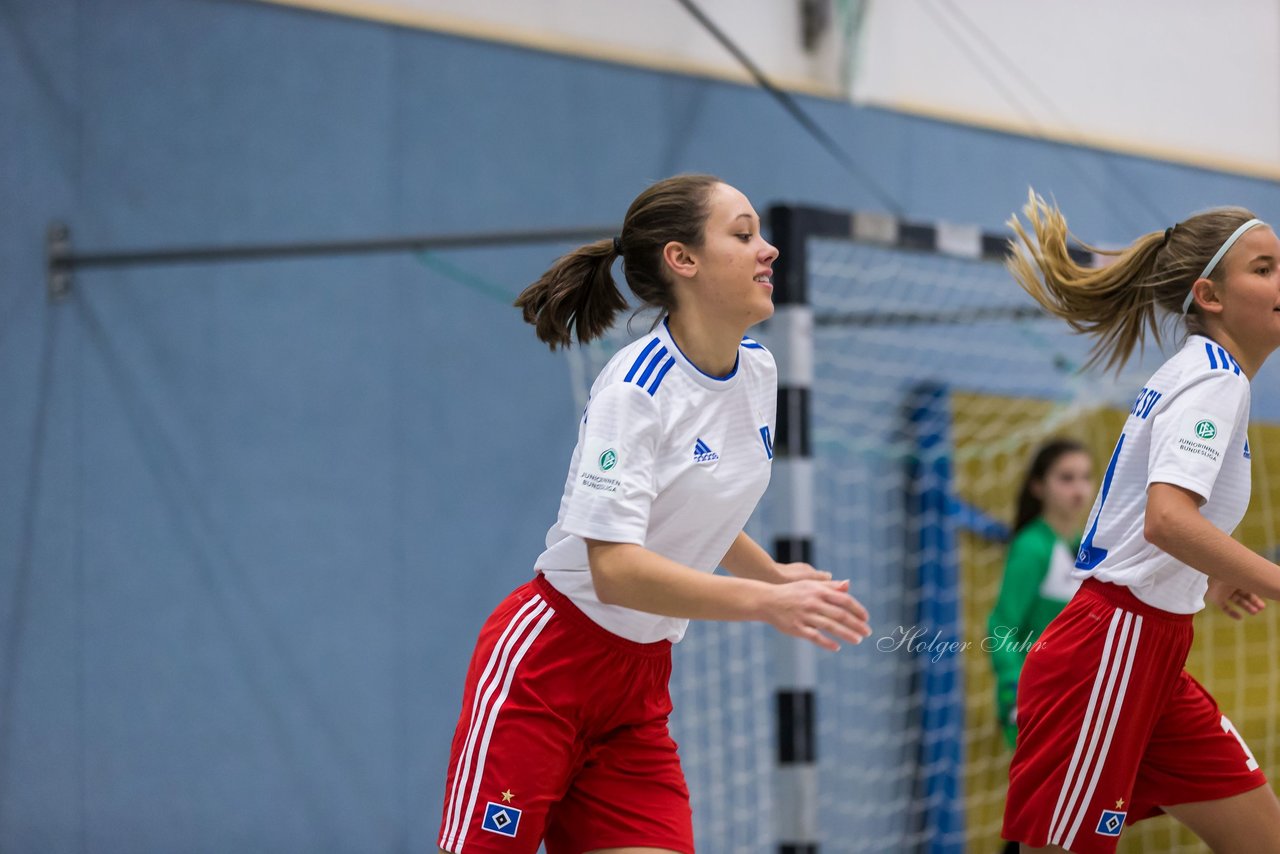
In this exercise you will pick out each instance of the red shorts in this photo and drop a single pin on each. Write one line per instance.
(563, 738)
(1111, 727)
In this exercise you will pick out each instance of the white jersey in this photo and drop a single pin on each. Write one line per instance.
(668, 458)
(1060, 582)
(1188, 428)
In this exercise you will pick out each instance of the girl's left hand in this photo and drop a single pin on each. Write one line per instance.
(1232, 600)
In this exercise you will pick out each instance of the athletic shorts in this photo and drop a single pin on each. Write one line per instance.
(563, 738)
(1111, 727)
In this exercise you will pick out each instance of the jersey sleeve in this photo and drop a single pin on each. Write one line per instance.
(1010, 623)
(1191, 433)
(615, 483)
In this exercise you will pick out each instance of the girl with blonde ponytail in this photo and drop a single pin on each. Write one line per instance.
(1124, 301)
(1111, 727)
(562, 739)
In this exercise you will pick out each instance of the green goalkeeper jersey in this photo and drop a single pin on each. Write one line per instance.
(1037, 585)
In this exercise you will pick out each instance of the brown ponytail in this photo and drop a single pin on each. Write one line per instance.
(577, 297)
(1117, 304)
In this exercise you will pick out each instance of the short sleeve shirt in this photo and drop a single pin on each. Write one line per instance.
(668, 458)
(1188, 427)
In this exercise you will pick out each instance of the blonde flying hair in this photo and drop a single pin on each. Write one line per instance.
(1118, 304)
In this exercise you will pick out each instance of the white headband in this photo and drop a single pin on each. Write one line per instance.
(1213, 262)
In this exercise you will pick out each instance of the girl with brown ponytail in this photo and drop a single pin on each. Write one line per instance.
(563, 736)
(1111, 727)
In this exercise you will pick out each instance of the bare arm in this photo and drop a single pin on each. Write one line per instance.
(1174, 525)
(634, 577)
(746, 559)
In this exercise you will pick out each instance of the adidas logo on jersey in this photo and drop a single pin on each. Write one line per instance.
(702, 453)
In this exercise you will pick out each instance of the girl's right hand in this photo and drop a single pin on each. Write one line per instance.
(817, 611)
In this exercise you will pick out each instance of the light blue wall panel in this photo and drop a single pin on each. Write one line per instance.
(251, 516)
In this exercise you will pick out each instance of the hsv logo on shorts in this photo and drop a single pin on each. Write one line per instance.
(1111, 823)
(500, 819)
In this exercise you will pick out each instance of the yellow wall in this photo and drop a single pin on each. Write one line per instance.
(994, 439)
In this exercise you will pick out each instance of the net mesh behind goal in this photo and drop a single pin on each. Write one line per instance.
(891, 326)
(935, 379)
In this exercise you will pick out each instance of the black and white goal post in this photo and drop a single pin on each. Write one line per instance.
(791, 336)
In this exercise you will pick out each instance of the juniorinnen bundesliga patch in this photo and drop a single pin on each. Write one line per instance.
(1111, 823)
(501, 819)
(1202, 436)
(600, 467)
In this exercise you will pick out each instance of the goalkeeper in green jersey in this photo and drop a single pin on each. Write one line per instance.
(1052, 504)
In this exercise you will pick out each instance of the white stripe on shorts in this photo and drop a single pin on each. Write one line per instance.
(1088, 719)
(1103, 711)
(455, 818)
(493, 717)
(1111, 728)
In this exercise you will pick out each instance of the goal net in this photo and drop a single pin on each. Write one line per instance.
(936, 379)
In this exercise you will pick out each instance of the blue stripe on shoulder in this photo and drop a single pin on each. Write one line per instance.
(635, 366)
(751, 343)
(657, 381)
(653, 363)
(1224, 361)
